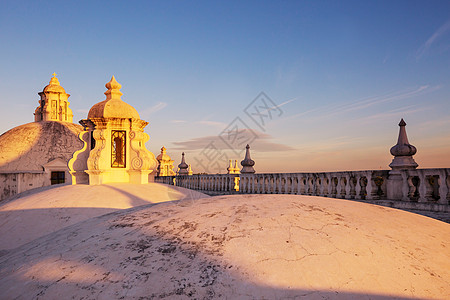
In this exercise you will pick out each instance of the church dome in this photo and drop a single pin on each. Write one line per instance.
(30, 146)
(113, 106)
(54, 86)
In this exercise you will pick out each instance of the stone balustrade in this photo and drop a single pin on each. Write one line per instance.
(217, 184)
(429, 186)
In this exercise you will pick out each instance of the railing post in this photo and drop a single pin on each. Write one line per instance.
(422, 186)
(443, 189)
(369, 187)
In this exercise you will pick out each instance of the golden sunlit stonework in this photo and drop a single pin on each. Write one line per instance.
(114, 143)
(233, 170)
(165, 164)
(53, 105)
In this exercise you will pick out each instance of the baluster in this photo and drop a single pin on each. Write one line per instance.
(338, 187)
(448, 187)
(442, 181)
(344, 183)
(263, 183)
(369, 187)
(326, 186)
(362, 187)
(258, 183)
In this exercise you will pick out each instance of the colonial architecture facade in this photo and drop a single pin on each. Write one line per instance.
(113, 143)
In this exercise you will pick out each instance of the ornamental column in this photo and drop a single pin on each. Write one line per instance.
(403, 161)
(247, 163)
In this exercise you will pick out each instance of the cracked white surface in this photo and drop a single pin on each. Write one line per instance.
(237, 247)
(42, 211)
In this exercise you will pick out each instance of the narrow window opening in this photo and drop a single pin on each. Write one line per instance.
(118, 154)
(92, 140)
(54, 110)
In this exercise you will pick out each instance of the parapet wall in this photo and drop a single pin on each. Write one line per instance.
(426, 189)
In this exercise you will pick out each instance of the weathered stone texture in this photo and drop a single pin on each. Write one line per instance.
(30, 146)
(28, 154)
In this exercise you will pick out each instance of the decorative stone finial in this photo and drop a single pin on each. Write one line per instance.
(190, 172)
(113, 91)
(236, 167)
(247, 163)
(230, 168)
(163, 150)
(54, 80)
(403, 151)
(183, 166)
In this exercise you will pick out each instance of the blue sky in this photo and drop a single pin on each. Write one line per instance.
(340, 75)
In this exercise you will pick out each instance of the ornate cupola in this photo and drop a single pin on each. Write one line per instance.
(247, 163)
(403, 152)
(183, 166)
(165, 164)
(114, 138)
(53, 105)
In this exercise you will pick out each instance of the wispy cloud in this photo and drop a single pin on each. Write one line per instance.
(263, 143)
(276, 107)
(220, 125)
(436, 123)
(284, 103)
(178, 121)
(304, 113)
(399, 112)
(396, 96)
(338, 109)
(150, 110)
(83, 110)
(432, 39)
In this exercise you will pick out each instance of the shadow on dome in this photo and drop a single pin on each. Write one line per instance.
(62, 206)
(187, 250)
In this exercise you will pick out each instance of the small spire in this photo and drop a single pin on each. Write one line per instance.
(236, 167)
(113, 91)
(247, 163)
(230, 168)
(163, 149)
(403, 151)
(183, 166)
(402, 137)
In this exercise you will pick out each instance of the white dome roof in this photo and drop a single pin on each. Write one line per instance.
(237, 247)
(30, 146)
